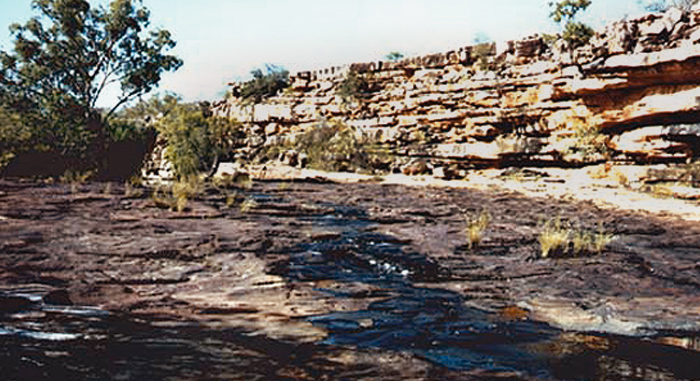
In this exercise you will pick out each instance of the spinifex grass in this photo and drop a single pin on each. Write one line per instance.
(476, 225)
(557, 240)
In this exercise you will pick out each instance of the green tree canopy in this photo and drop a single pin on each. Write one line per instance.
(664, 5)
(394, 56)
(65, 57)
(265, 83)
(566, 10)
(575, 33)
(195, 139)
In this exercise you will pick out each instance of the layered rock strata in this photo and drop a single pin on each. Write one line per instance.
(632, 94)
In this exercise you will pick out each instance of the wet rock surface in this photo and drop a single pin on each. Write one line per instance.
(315, 280)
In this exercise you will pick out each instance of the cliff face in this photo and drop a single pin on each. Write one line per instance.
(632, 94)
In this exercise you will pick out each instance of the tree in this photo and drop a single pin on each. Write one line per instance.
(575, 33)
(265, 83)
(63, 60)
(664, 5)
(394, 56)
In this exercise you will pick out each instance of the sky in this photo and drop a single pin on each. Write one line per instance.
(223, 40)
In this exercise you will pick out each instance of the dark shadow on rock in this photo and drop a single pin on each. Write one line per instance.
(36, 164)
(125, 158)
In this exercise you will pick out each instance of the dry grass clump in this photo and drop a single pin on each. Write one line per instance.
(476, 225)
(76, 179)
(248, 205)
(236, 180)
(185, 189)
(554, 239)
(177, 195)
(561, 241)
(132, 187)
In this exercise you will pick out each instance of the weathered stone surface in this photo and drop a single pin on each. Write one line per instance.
(248, 274)
(634, 73)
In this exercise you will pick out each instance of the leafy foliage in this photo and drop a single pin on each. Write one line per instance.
(333, 146)
(195, 138)
(265, 83)
(14, 135)
(65, 57)
(482, 50)
(575, 33)
(394, 56)
(481, 54)
(664, 5)
(589, 141)
(566, 10)
(355, 86)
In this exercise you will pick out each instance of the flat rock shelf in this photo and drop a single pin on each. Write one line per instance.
(311, 280)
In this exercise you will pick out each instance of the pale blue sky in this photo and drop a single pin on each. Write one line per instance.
(222, 40)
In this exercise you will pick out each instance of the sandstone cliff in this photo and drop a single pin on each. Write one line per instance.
(631, 95)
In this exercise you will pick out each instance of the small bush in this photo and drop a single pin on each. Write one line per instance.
(195, 139)
(264, 84)
(476, 225)
(76, 178)
(481, 55)
(575, 33)
(132, 188)
(355, 86)
(228, 181)
(394, 56)
(600, 240)
(333, 146)
(589, 141)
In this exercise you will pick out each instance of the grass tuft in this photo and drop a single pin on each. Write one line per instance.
(476, 225)
(554, 239)
(561, 241)
(248, 205)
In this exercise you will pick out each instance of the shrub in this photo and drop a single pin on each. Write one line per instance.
(333, 146)
(228, 181)
(185, 189)
(248, 204)
(355, 86)
(264, 84)
(177, 195)
(15, 136)
(394, 56)
(481, 54)
(589, 141)
(664, 5)
(75, 178)
(575, 33)
(195, 139)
